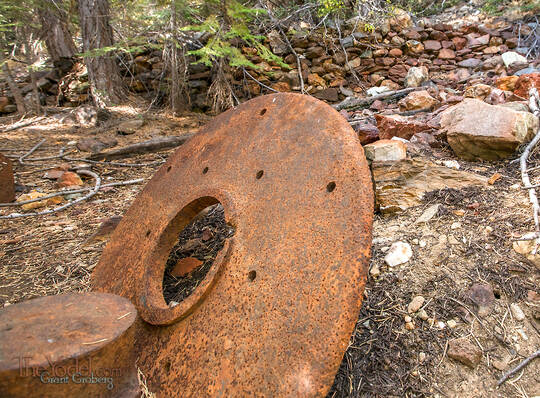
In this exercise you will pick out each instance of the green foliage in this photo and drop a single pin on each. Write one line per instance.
(232, 27)
(330, 7)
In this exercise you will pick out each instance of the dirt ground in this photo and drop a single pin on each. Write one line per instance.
(56, 254)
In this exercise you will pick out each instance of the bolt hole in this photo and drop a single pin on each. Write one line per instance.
(263, 111)
(259, 174)
(252, 275)
(331, 186)
(169, 168)
(148, 233)
(205, 170)
(497, 294)
(167, 366)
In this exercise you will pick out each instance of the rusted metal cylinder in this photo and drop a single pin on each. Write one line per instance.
(7, 181)
(71, 345)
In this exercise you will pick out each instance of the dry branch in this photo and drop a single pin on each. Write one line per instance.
(534, 104)
(23, 124)
(69, 192)
(31, 151)
(522, 364)
(153, 145)
(57, 209)
(354, 103)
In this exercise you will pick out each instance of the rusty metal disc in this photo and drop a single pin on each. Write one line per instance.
(70, 345)
(275, 313)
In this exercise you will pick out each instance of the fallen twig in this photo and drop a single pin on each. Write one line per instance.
(353, 102)
(153, 145)
(31, 151)
(69, 204)
(521, 365)
(23, 124)
(258, 82)
(72, 191)
(534, 102)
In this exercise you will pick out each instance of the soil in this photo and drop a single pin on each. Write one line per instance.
(56, 254)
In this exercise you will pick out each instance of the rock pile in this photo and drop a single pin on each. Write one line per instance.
(397, 54)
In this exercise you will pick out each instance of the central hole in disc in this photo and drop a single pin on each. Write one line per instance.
(192, 256)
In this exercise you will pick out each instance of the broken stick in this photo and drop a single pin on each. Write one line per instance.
(153, 145)
(354, 103)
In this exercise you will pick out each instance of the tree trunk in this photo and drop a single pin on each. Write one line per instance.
(105, 82)
(30, 58)
(55, 30)
(15, 91)
(178, 78)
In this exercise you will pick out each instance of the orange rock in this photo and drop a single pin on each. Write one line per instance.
(69, 179)
(525, 83)
(282, 87)
(507, 83)
(185, 265)
(495, 177)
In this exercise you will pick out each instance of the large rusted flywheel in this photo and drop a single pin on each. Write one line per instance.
(274, 314)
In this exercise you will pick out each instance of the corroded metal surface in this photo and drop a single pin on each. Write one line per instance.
(72, 345)
(275, 313)
(7, 183)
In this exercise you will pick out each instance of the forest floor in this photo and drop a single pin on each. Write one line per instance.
(56, 253)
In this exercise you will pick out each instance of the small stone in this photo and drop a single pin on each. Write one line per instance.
(441, 325)
(447, 53)
(416, 76)
(452, 164)
(415, 241)
(409, 326)
(431, 321)
(374, 271)
(510, 57)
(451, 323)
(453, 241)
(129, 127)
(495, 177)
(417, 100)
(386, 151)
(407, 318)
(428, 214)
(415, 304)
(69, 179)
(482, 296)
(423, 315)
(455, 225)
(421, 357)
(499, 365)
(399, 253)
(517, 312)
(422, 243)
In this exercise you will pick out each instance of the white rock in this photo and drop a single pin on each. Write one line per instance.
(451, 323)
(517, 312)
(451, 164)
(416, 76)
(422, 356)
(386, 151)
(377, 90)
(374, 271)
(399, 253)
(422, 243)
(510, 57)
(441, 325)
(423, 315)
(428, 214)
(455, 225)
